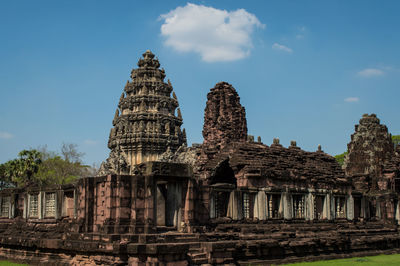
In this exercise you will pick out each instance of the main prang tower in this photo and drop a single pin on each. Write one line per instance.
(145, 124)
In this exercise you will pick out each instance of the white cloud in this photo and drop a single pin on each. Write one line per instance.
(352, 99)
(281, 47)
(89, 142)
(215, 34)
(5, 135)
(370, 72)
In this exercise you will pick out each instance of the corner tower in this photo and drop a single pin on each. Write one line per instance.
(145, 124)
(224, 117)
(369, 150)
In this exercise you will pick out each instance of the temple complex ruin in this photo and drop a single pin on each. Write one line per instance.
(231, 200)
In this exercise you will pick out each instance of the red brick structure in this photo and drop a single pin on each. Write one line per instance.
(230, 200)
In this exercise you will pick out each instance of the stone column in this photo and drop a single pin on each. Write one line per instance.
(27, 200)
(378, 209)
(212, 205)
(189, 203)
(149, 204)
(234, 206)
(75, 202)
(260, 208)
(309, 208)
(41, 204)
(12, 206)
(397, 212)
(350, 207)
(332, 207)
(178, 210)
(326, 213)
(287, 206)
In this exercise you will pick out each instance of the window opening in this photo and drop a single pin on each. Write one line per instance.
(340, 207)
(298, 206)
(5, 206)
(50, 205)
(33, 206)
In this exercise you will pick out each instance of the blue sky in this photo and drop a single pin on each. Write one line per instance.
(305, 70)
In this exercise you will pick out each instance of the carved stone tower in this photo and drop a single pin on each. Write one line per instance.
(224, 117)
(370, 148)
(145, 124)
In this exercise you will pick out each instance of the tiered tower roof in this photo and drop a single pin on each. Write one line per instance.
(147, 121)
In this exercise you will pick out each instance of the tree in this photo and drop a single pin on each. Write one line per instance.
(70, 153)
(5, 180)
(43, 167)
(340, 158)
(61, 169)
(21, 171)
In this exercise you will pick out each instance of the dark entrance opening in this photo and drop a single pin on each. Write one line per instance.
(221, 199)
(319, 207)
(357, 207)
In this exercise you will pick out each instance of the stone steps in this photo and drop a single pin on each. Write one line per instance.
(197, 256)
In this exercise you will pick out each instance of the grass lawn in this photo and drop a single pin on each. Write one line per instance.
(7, 263)
(381, 260)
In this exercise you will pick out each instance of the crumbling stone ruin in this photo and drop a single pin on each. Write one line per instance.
(229, 200)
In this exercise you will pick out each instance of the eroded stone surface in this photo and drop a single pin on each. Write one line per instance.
(224, 117)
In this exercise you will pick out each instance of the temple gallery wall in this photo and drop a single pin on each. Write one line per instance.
(230, 200)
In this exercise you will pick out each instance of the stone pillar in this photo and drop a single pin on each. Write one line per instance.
(11, 206)
(234, 206)
(260, 207)
(75, 203)
(397, 212)
(326, 213)
(178, 210)
(350, 207)
(149, 200)
(309, 208)
(332, 207)
(189, 203)
(378, 209)
(132, 228)
(41, 203)
(27, 200)
(212, 205)
(287, 205)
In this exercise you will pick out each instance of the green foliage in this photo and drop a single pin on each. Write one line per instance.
(21, 171)
(44, 167)
(396, 139)
(340, 157)
(56, 170)
(63, 169)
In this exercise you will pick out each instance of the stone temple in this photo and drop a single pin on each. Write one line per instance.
(231, 200)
